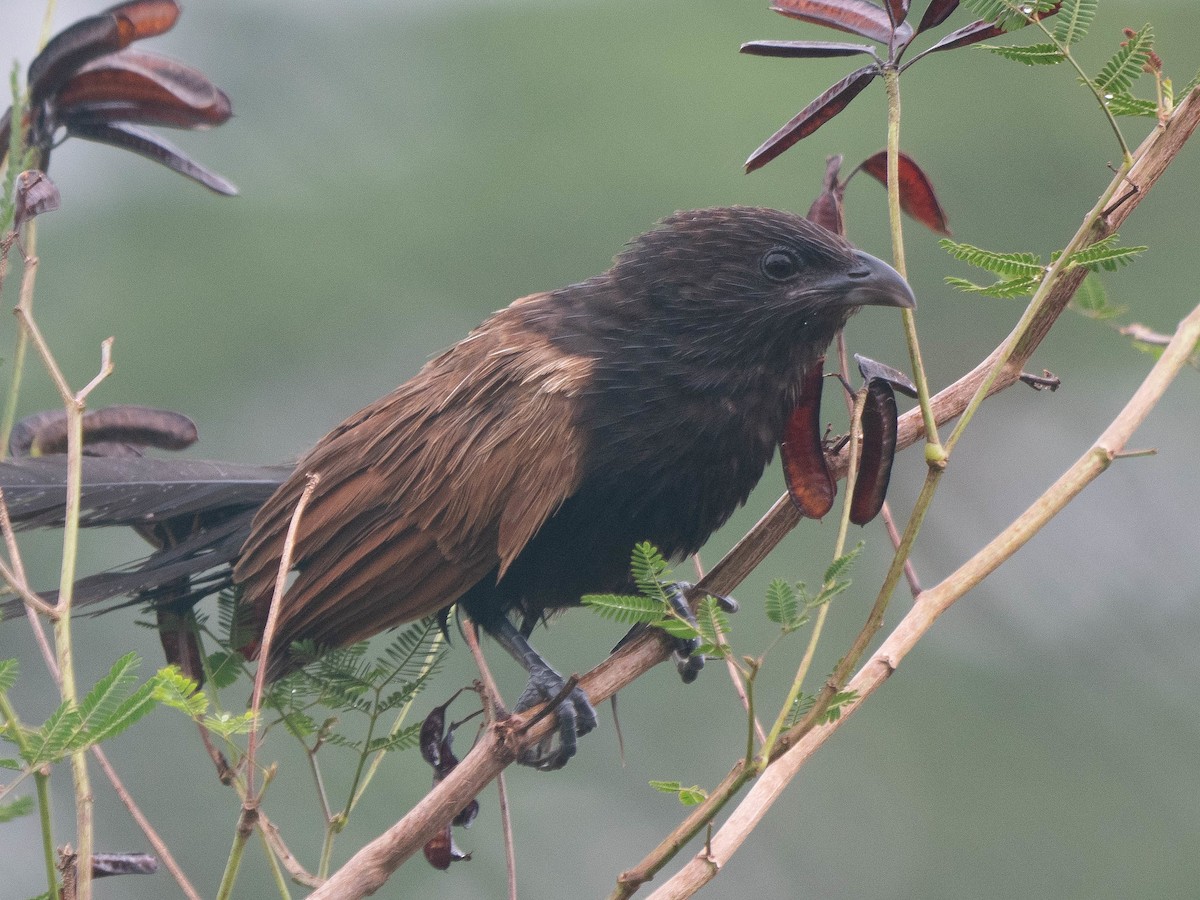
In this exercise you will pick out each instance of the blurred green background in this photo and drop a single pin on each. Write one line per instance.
(408, 167)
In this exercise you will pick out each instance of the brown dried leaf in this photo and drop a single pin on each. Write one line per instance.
(813, 116)
(917, 197)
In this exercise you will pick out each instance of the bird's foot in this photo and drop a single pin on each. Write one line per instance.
(576, 717)
(683, 650)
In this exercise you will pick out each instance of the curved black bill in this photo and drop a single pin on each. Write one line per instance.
(874, 283)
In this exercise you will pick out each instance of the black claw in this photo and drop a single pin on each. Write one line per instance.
(576, 717)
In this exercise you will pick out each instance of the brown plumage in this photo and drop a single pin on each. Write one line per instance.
(516, 471)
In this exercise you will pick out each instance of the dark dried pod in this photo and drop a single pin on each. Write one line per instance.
(36, 194)
(809, 482)
(106, 864)
(879, 420)
(441, 851)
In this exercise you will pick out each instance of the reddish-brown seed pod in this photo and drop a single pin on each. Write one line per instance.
(878, 450)
(809, 482)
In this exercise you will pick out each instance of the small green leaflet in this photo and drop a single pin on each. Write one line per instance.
(22, 806)
(1035, 55)
(688, 796)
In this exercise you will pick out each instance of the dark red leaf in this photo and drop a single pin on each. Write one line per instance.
(917, 197)
(963, 37)
(145, 88)
(804, 49)
(897, 10)
(826, 210)
(809, 482)
(878, 450)
(854, 16)
(973, 34)
(36, 194)
(147, 144)
(93, 37)
(937, 13)
(812, 117)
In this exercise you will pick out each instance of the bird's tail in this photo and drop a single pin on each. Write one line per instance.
(195, 513)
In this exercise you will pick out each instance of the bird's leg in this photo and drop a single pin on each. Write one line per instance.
(576, 716)
(683, 650)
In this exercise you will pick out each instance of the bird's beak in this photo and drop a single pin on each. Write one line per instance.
(872, 282)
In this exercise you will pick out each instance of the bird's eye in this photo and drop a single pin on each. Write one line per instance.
(780, 265)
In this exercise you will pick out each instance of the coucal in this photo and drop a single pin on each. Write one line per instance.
(516, 471)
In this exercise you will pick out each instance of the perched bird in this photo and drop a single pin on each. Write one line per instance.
(516, 471)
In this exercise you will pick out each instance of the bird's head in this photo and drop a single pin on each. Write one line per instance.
(730, 275)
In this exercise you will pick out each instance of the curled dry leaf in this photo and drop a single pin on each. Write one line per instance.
(917, 197)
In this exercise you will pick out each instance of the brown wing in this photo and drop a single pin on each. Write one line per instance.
(426, 490)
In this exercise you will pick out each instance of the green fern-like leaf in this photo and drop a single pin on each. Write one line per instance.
(1125, 104)
(1073, 20)
(837, 706)
(69, 727)
(628, 610)
(782, 605)
(8, 674)
(401, 740)
(649, 570)
(1120, 72)
(1008, 265)
(1006, 13)
(123, 716)
(1103, 255)
(227, 725)
(1034, 55)
(842, 565)
(409, 650)
(22, 806)
(1015, 287)
(713, 621)
(7, 762)
(174, 689)
(224, 668)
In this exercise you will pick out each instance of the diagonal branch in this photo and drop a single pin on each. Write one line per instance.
(370, 868)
